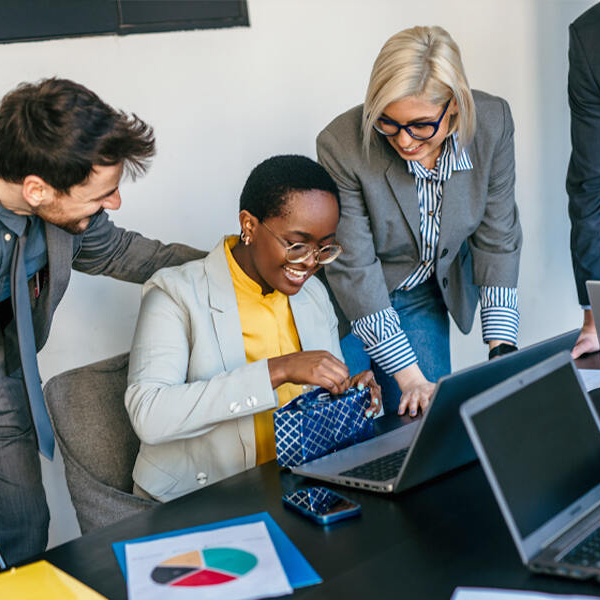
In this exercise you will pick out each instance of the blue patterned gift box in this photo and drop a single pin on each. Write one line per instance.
(317, 423)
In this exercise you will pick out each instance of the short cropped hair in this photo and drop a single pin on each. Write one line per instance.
(58, 130)
(270, 184)
(422, 61)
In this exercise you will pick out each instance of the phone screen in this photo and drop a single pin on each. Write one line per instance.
(323, 503)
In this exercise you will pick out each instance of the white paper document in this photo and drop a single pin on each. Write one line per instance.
(591, 378)
(231, 563)
(490, 594)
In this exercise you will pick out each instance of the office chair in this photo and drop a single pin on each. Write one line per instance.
(96, 441)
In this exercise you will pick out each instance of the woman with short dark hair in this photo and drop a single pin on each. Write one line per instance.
(223, 341)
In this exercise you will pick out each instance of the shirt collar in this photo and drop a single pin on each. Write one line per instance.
(450, 160)
(16, 223)
(244, 284)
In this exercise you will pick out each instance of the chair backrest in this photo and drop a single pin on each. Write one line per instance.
(96, 440)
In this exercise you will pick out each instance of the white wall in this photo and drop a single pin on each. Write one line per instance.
(223, 100)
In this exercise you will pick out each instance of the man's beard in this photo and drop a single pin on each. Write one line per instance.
(73, 227)
(76, 227)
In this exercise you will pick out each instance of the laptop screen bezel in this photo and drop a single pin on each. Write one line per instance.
(531, 545)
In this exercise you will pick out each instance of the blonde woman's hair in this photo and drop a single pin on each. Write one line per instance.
(422, 61)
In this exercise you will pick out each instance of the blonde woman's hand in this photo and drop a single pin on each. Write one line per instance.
(416, 390)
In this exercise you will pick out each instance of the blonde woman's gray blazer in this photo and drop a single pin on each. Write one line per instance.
(480, 234)
(191, 394)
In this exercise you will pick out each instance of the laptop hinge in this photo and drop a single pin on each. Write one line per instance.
(570, 527)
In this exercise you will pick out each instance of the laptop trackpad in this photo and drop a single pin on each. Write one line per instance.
(345, 459)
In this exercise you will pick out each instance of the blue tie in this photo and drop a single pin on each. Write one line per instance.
(27, 350)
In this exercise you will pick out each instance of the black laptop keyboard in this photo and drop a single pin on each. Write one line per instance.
(381, 469)
(587, 552)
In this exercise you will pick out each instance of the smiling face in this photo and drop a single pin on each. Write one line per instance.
(416, 109)
(73, 211)
(309, 217)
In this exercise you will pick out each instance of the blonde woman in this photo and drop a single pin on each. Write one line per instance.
(428, 222)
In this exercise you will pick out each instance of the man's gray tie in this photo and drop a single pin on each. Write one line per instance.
(24, 322)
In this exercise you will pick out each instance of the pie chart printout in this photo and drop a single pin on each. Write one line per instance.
(211, 566)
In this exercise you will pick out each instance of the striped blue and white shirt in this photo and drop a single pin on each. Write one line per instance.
(381, 332)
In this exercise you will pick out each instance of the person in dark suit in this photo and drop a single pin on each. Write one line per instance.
(63, 152)
(429, 223)
(583, 175)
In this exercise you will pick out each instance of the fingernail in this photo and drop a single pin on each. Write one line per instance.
(413, 413)
(369, 414)
(360, 387)
(376, 400)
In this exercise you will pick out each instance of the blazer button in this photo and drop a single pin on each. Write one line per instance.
(7, 237)
(251, 401)
(445, 282)
(444, 252)
(234, 407)
(202, 478)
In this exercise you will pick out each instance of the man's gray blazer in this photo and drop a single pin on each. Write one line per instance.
(102, 249)
(583, 177)
(480, 234)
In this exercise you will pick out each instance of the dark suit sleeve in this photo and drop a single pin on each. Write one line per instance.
(105, 249)
(583, 177)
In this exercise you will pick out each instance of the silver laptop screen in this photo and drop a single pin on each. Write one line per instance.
(543, 445)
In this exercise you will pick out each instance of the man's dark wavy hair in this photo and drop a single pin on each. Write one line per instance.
(58, 130)
(270, 184)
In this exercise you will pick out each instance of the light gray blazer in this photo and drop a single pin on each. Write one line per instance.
(480, 234)
(191, 394)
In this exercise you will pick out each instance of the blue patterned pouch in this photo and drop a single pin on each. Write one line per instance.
(317, 423)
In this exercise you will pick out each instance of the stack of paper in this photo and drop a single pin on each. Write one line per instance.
(43, 580)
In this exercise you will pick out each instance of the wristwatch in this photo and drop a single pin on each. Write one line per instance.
(501, 349)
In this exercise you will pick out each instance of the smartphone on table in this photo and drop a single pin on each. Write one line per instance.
(321, 504)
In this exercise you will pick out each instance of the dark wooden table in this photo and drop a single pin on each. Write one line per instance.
(419, 545)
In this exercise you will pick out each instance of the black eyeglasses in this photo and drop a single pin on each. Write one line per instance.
(299, 251)
(417, 131)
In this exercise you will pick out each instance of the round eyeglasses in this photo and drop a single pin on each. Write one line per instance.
(418, 131)
(299, 251)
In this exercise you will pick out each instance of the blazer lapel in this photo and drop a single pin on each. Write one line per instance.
(304, 320)
(60, 257)
(455, 206)
(225, 315)
(402, 184)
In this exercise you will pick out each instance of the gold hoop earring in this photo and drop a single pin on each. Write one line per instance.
(244, 238)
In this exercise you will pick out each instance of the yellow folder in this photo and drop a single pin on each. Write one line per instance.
(41, 580)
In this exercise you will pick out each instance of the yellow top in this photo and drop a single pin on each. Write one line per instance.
(269, 330)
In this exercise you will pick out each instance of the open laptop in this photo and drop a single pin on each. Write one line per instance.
(411, 454)
(538, 439)
(593, 288)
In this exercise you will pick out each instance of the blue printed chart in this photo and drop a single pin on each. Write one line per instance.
(207, 567)
(228, 563)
